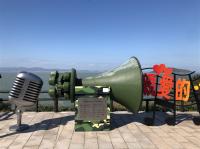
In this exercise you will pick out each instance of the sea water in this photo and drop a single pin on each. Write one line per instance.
(44, 99)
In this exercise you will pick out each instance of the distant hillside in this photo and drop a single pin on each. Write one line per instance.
(17, 69)
(39, 69)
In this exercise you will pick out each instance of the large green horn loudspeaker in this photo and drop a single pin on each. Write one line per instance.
(125, 82)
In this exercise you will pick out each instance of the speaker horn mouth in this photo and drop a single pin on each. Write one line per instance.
(126, 83)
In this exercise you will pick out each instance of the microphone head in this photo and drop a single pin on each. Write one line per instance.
(25, 89)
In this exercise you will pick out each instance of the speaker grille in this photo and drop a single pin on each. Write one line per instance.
(25, 89)
(32, 92)
(16, 88)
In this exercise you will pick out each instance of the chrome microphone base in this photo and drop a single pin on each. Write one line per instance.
(19, 128)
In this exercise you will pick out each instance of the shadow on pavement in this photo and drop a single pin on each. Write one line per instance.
(44, 125)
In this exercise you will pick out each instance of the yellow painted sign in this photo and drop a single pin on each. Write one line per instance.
(166, 83)
(182, 90)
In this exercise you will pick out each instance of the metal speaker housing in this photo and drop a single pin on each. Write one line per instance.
(25, 89)
(125, 81)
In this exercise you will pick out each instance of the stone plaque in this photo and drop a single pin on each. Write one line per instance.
(92, 109)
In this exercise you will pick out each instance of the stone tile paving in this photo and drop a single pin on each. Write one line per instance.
(50, 130)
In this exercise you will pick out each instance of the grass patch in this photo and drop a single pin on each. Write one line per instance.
(4, 107)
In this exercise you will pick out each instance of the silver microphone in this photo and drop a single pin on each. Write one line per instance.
(24, 93)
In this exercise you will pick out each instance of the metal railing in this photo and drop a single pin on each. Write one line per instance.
(5, 100)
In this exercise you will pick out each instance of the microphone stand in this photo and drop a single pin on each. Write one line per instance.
(19, 126)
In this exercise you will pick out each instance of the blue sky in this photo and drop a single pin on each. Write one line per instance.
(99, 34)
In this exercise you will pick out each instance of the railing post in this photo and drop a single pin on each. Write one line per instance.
(174, 99)
(55, 104)
(147, 106)
(182, 107)
(37, 106)
(155, 99)
(194, 92)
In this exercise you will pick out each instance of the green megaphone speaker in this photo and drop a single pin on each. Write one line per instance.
(125, 83)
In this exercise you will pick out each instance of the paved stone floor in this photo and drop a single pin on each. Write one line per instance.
(56, 130)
